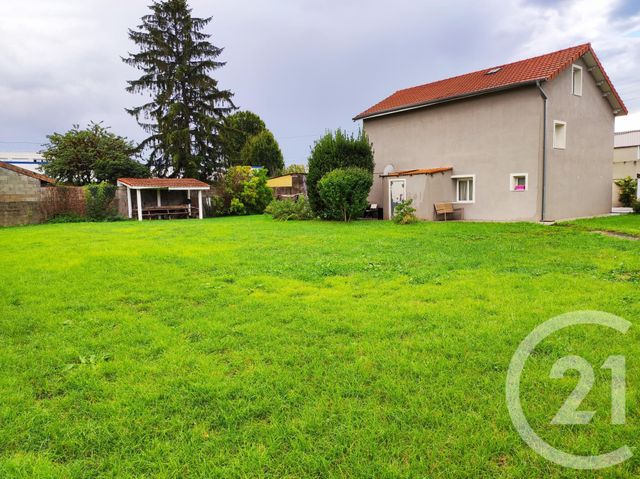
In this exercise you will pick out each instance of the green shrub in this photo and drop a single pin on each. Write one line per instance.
(628, 191)
(290, 210)
(67, 218)
(100, 201)
(344, 193)
(404, 213)
(339, 150)
(636, 206)
(245, 192)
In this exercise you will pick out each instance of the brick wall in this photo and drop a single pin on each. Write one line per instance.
(62, 200)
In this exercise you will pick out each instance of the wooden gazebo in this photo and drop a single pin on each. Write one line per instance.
(164, 198)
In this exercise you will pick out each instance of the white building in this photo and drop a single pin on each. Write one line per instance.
(27, 160)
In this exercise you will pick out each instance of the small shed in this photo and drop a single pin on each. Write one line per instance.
(164, 198)
(289, 186)
(21, 192)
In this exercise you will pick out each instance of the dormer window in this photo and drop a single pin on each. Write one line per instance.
(576, 80)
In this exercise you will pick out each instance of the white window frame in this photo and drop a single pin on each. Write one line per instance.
(558, 145)
(473, 189)
(512, 182)
(576, 91)
(638, 154)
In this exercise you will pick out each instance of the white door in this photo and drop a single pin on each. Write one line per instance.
(397, 194)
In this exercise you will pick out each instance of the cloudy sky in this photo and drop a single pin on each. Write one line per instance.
(304, 66)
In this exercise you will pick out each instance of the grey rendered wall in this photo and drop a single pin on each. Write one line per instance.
(491, 136)
(579, 177)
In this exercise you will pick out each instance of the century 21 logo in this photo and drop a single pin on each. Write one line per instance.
(569, 413)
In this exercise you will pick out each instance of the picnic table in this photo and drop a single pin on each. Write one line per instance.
(168, 212)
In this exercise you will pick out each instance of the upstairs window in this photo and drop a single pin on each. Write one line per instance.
(559, 135)
(576, 80)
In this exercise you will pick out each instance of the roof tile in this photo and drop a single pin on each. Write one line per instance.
(544, 67)
(163, 182)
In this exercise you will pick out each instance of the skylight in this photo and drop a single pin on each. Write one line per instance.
(493, 70)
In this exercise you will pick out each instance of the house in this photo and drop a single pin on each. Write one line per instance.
(529, 141)
(21, 192)
(626, 160)
(29, 161)
(164, 198)
(288, 186)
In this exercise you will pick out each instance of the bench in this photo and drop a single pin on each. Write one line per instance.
(444, 209)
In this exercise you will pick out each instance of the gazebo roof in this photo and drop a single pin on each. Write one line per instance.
(164, 183)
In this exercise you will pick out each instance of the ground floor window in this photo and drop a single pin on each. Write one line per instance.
(465, 188)
(519, 182)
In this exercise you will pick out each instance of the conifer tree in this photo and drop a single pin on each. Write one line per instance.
(185, 107)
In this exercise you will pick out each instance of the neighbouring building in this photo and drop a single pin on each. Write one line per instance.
(626, 160)
(524, 141)
(28, 161)
(289, 186)
(21, 192)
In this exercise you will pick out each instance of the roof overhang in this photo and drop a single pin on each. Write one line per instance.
(419, 171)
(204, 187)
(604, 83)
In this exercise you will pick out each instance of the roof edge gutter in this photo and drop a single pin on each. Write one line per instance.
(445, 100)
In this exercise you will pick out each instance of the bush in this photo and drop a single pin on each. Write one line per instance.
(290, 210)
(344, 193)
(628, 191)
(332, 151)
(404, 213)
(245, 192)
(67, 218)
(636, 206)
(100, 198)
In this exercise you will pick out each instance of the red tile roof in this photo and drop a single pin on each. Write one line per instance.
(25, 172)
(423, 171)
(541, 68)
(163, 183)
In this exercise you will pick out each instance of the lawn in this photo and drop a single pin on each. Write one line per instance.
(625, 224)
(242, 347)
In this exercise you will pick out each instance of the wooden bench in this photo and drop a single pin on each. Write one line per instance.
(444, 209)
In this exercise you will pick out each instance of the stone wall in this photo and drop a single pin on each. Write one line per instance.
(19, 199)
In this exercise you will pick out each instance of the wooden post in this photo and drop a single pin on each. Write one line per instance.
(139, 198)
(159, 198)
(200, 212)
(129, 205)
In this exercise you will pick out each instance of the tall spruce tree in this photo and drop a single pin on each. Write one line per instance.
(186, 108)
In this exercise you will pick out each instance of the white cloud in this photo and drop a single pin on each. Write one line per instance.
(303, 65)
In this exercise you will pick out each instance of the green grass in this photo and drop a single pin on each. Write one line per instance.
(626, 224)
(243, 347)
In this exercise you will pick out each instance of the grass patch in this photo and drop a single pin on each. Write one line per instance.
(246, 347)
(625, 224)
